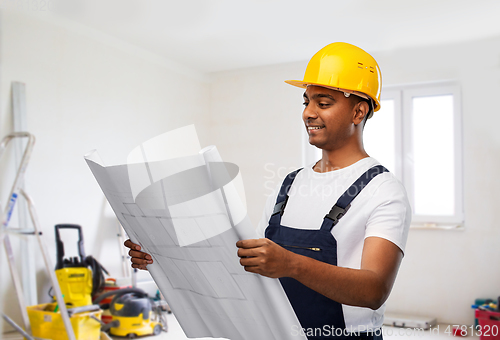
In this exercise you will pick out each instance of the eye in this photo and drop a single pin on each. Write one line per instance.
(305, 104)
(323, 105)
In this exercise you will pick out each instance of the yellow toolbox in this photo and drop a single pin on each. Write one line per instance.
(49, 325)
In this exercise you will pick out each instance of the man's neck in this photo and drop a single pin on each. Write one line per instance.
(338, 159)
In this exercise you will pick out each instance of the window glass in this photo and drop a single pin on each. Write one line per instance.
(433, 155)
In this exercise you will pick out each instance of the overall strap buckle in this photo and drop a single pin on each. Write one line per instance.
(336, 213)
(279, 208)
(350, 194)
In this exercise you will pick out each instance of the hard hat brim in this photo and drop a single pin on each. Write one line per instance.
(304, 84)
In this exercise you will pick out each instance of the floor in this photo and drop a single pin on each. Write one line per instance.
(175, 332)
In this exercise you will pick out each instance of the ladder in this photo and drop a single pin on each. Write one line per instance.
(5, 231)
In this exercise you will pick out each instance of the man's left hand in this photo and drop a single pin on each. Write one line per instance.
(264, 257)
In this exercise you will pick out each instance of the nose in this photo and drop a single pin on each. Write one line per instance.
(309, 113)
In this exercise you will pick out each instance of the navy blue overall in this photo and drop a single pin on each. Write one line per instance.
(313, 309)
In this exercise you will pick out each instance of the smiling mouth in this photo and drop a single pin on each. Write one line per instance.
(314, 128)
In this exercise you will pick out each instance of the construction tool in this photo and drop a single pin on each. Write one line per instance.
(79, 277)
(132, 313)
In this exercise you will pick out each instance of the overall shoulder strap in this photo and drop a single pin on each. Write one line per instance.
(279, 207)
(344, 202)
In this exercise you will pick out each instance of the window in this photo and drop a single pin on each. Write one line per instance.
(417, 135)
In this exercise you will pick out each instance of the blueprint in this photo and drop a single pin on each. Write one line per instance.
(186, 207)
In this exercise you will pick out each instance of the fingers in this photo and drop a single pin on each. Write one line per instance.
(251, 265)
(252, 243)
(251, 252)
(139, 266)
(252, 269)
(140, 263)
(139, 259)
(139, 255)
(255, 247)
(250, 261)
(131, 245)
(264, 257)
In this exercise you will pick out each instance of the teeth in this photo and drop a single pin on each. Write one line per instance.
(314, 128)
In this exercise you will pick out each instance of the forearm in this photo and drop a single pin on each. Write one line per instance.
(355, 287)
(366, 287)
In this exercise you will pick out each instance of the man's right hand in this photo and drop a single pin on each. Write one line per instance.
(139, 259)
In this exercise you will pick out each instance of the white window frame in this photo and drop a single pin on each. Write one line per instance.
(408, 92)
(402, 96)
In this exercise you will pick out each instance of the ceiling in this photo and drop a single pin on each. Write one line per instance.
(217, 35)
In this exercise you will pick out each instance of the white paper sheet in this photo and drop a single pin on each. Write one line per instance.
(186, 208)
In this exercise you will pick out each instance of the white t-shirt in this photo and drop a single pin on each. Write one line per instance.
(381, 209)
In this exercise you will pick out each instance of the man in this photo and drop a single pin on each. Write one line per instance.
(337, 270)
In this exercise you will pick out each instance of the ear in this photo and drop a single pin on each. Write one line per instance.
(360, 111)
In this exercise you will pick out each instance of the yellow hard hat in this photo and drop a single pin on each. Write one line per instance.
(344, 67)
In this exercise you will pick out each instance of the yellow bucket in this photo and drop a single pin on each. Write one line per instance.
(49, 325)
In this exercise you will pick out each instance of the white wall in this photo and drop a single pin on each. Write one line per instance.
(85, 91)
(257, 121)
